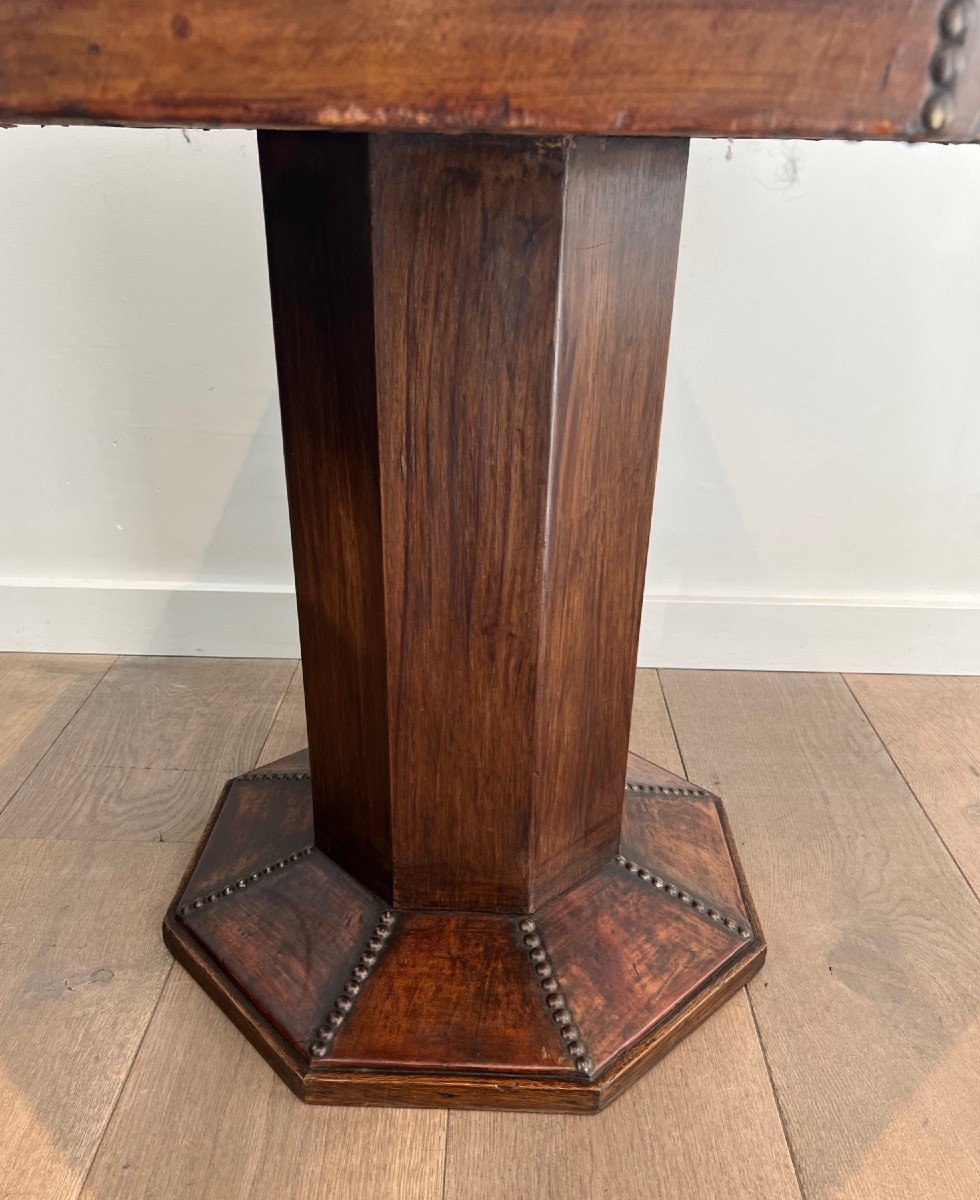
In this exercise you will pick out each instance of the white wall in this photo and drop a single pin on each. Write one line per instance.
(818, 503)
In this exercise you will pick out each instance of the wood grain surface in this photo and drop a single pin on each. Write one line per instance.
(288, 732)
(39, 696)
(242, 1135)
(76, 994)
(848, 68)
(869, 1009)
(355, 1005)
(150, 751)
(292, 941)
(441, 967)
(930, 725)
(653, 1140)
(471, 335)
(622, 215)
(671, 952)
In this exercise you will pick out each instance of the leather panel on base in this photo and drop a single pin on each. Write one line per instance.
(684, 839)
(353, 1002)
(290, 939)
(627, 956)
(249, 831)
(452, 988)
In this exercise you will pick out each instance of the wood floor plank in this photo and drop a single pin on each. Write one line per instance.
(147, 756)
(288, 732)
(703, 1123)
(203, 1116)
(82, 965)
(39, 695)
(651, 735)
(869, 1005)
(930, 725)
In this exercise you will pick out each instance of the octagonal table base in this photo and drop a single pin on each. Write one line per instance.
(354, 1002)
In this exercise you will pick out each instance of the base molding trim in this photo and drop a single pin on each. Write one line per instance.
(778, 634)
(723, 633)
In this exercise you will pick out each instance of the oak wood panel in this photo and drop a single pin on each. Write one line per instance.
(685, 842)
(869, 1006)
(716, 67)
(472, 337)
(317, 197)
(147, 756)
(930, 725)
(81, 968)
(198, 1085)
(458, 1009)
(626, 954)
(250, 833)
(39, 695)
(468, 259)
(622, 215)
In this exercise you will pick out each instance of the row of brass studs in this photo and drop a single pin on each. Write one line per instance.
(682, 896)
(272, 775)
(947, 64)
(657, 789)
(652, 789)
(320, 1045)
(556, 1002)
(240, 885)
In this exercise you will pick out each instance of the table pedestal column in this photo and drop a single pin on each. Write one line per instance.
(451, 900)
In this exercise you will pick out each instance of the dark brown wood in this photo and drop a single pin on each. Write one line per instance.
(472, 340)
(318, 228)
(453, 987)
(356, 1004)
(806, 68)
(622, 212)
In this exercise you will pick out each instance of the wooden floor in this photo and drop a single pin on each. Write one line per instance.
(850, 1068)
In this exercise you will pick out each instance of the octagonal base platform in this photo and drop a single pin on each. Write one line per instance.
(560, 1010)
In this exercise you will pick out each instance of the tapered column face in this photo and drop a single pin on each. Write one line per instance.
(472, 338)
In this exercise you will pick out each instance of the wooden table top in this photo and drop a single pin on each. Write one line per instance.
(894, 69)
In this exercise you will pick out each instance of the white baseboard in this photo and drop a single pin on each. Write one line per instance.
(259, 621)
(112, 617)
(810, 635)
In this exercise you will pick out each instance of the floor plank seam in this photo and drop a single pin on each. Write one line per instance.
(445, 1154)
(59, 735)
(673, 727)
(922, 808)
(775, 1097)
(261, 756)
(125, 1081)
